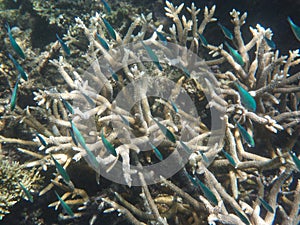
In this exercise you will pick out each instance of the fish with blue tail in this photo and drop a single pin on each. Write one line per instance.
(13, 99)
(68, 106)
(106, 6)
(161, 37)
(80, 139)
(41, 139)
(295, 28)
(190, 151)
(109, 147)
(266, 205)
(27, 192)
(152, 55)
(243, 218)
(125, 121)
(247, 100)
(103, 42)
(235, 55)
(13, 43)
(168, 134)
(203, 40)
(204, 157)
(73, 137)
(226, 31)
(245, 135)
(18, 67)
(156, 152)
(185, 70)
(186, 148)
(110, 29)
(174, 106)
(229, 158)
(63, 45)
(207, 192)
(65, 206)
(270, 43)
(113, 74)
(89, 100)
(61, 170)
(192, 179)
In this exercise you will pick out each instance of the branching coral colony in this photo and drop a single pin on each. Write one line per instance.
(241, 171)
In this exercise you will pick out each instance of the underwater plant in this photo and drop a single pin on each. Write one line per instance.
(179, 138)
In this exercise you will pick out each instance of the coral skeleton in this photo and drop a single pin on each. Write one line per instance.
(174, 130)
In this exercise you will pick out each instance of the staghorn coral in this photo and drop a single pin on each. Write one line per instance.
(123, 108)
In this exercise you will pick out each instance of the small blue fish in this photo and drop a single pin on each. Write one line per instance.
(235, 54)
(190, 151)
(165, 131)
(193, 180)
(42, 140)
(61, 170)
(247, 100)
(125, 121)
(207, 192)
(78, 136)
(152, 55)
(205, 159)
(68, 106)
(113, 74)
(203, 40)
(110, 148)
(174, 106)
(229, 158)
(270, 43)
(13, 99)
(89, 100)
(63, 45)
(110, 29)
(18, 67)
(241, 216)
(186, 148)
(106, 6)
(162, 37)
(185, 70)
(295, 28)
(103, 42)
(27, 193)
(13, 42)
(296, 160)
(266, 205)
(73, 137)
(226, 31)
(65, 206)
(246, 136)
(156, 152)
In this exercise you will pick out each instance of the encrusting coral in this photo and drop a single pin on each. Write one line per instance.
(145, 106)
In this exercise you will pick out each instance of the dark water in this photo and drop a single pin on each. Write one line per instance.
(269, 14)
